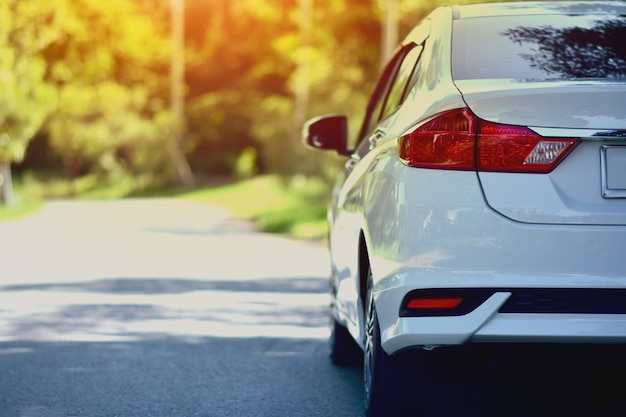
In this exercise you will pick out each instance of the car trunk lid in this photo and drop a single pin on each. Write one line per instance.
(589, 185)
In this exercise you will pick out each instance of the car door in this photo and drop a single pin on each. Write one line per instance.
(387, 96)
(346, 214)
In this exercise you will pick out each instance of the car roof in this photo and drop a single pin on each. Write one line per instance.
(530, 8)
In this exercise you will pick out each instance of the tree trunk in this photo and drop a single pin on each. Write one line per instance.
(177, 74)
(183, 170)
(7, 183)
(389, 39)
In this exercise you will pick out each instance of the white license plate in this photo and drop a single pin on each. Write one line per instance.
(613, 158)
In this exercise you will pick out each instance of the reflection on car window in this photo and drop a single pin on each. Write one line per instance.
(396, 94)
(377, 102)
(540, 47)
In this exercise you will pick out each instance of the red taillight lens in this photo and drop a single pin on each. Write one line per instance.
(518, 149)
(445, 142)
(459, 140)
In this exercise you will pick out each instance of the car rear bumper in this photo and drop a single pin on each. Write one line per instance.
(486, 324)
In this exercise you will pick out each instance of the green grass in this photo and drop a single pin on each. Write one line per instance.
(39, 187)
(296, 207)
(19, 210)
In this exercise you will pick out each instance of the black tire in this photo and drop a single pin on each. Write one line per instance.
(344, 351)
(388, 391)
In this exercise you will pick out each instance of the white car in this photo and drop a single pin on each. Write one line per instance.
(485, 198)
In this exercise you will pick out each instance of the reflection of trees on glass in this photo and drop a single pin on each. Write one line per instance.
(574, 52)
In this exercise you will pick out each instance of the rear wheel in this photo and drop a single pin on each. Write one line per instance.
(387, 388)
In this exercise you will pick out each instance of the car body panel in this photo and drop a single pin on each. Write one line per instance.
(557, 104)
(537, 8)
(572, 193)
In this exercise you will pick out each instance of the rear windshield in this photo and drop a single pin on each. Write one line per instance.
(539, 47)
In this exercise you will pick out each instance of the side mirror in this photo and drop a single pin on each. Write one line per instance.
(328, 132)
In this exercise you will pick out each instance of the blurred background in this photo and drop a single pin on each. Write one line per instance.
(200, 98)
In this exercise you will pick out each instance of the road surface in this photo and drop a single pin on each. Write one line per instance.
(163, 308)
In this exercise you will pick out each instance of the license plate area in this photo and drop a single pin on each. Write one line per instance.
(613, 163)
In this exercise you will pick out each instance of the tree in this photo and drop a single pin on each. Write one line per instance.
(280, 60)
(26, 99)
(102, 128)
(111, 66)
(254, 71)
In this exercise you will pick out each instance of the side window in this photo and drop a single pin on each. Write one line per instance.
(399, 87)
(377, 101)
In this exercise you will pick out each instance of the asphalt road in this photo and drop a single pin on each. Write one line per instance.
(169, 308)
(163, 308)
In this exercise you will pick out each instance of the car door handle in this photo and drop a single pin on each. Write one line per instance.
(351, 163)
(375, 138)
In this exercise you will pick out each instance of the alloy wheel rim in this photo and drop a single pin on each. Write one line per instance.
(369, 346)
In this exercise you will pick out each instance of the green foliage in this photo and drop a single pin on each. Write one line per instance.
(25, 97)
(271, 56)
(111, 116)
(218, 130)
(104, 41)
(102, 128)
(246, 163)
(33, 188)
(92, 80)
(94, 76)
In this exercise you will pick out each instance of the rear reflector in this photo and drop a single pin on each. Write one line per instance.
(431, 302)
(426, 303)
(458, 140)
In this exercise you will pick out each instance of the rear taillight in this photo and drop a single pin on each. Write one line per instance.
(446, 142)
(459, 140)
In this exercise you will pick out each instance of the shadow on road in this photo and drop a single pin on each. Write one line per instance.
(179, 286)
(170, 347)
(135, 308)
(184, 347)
